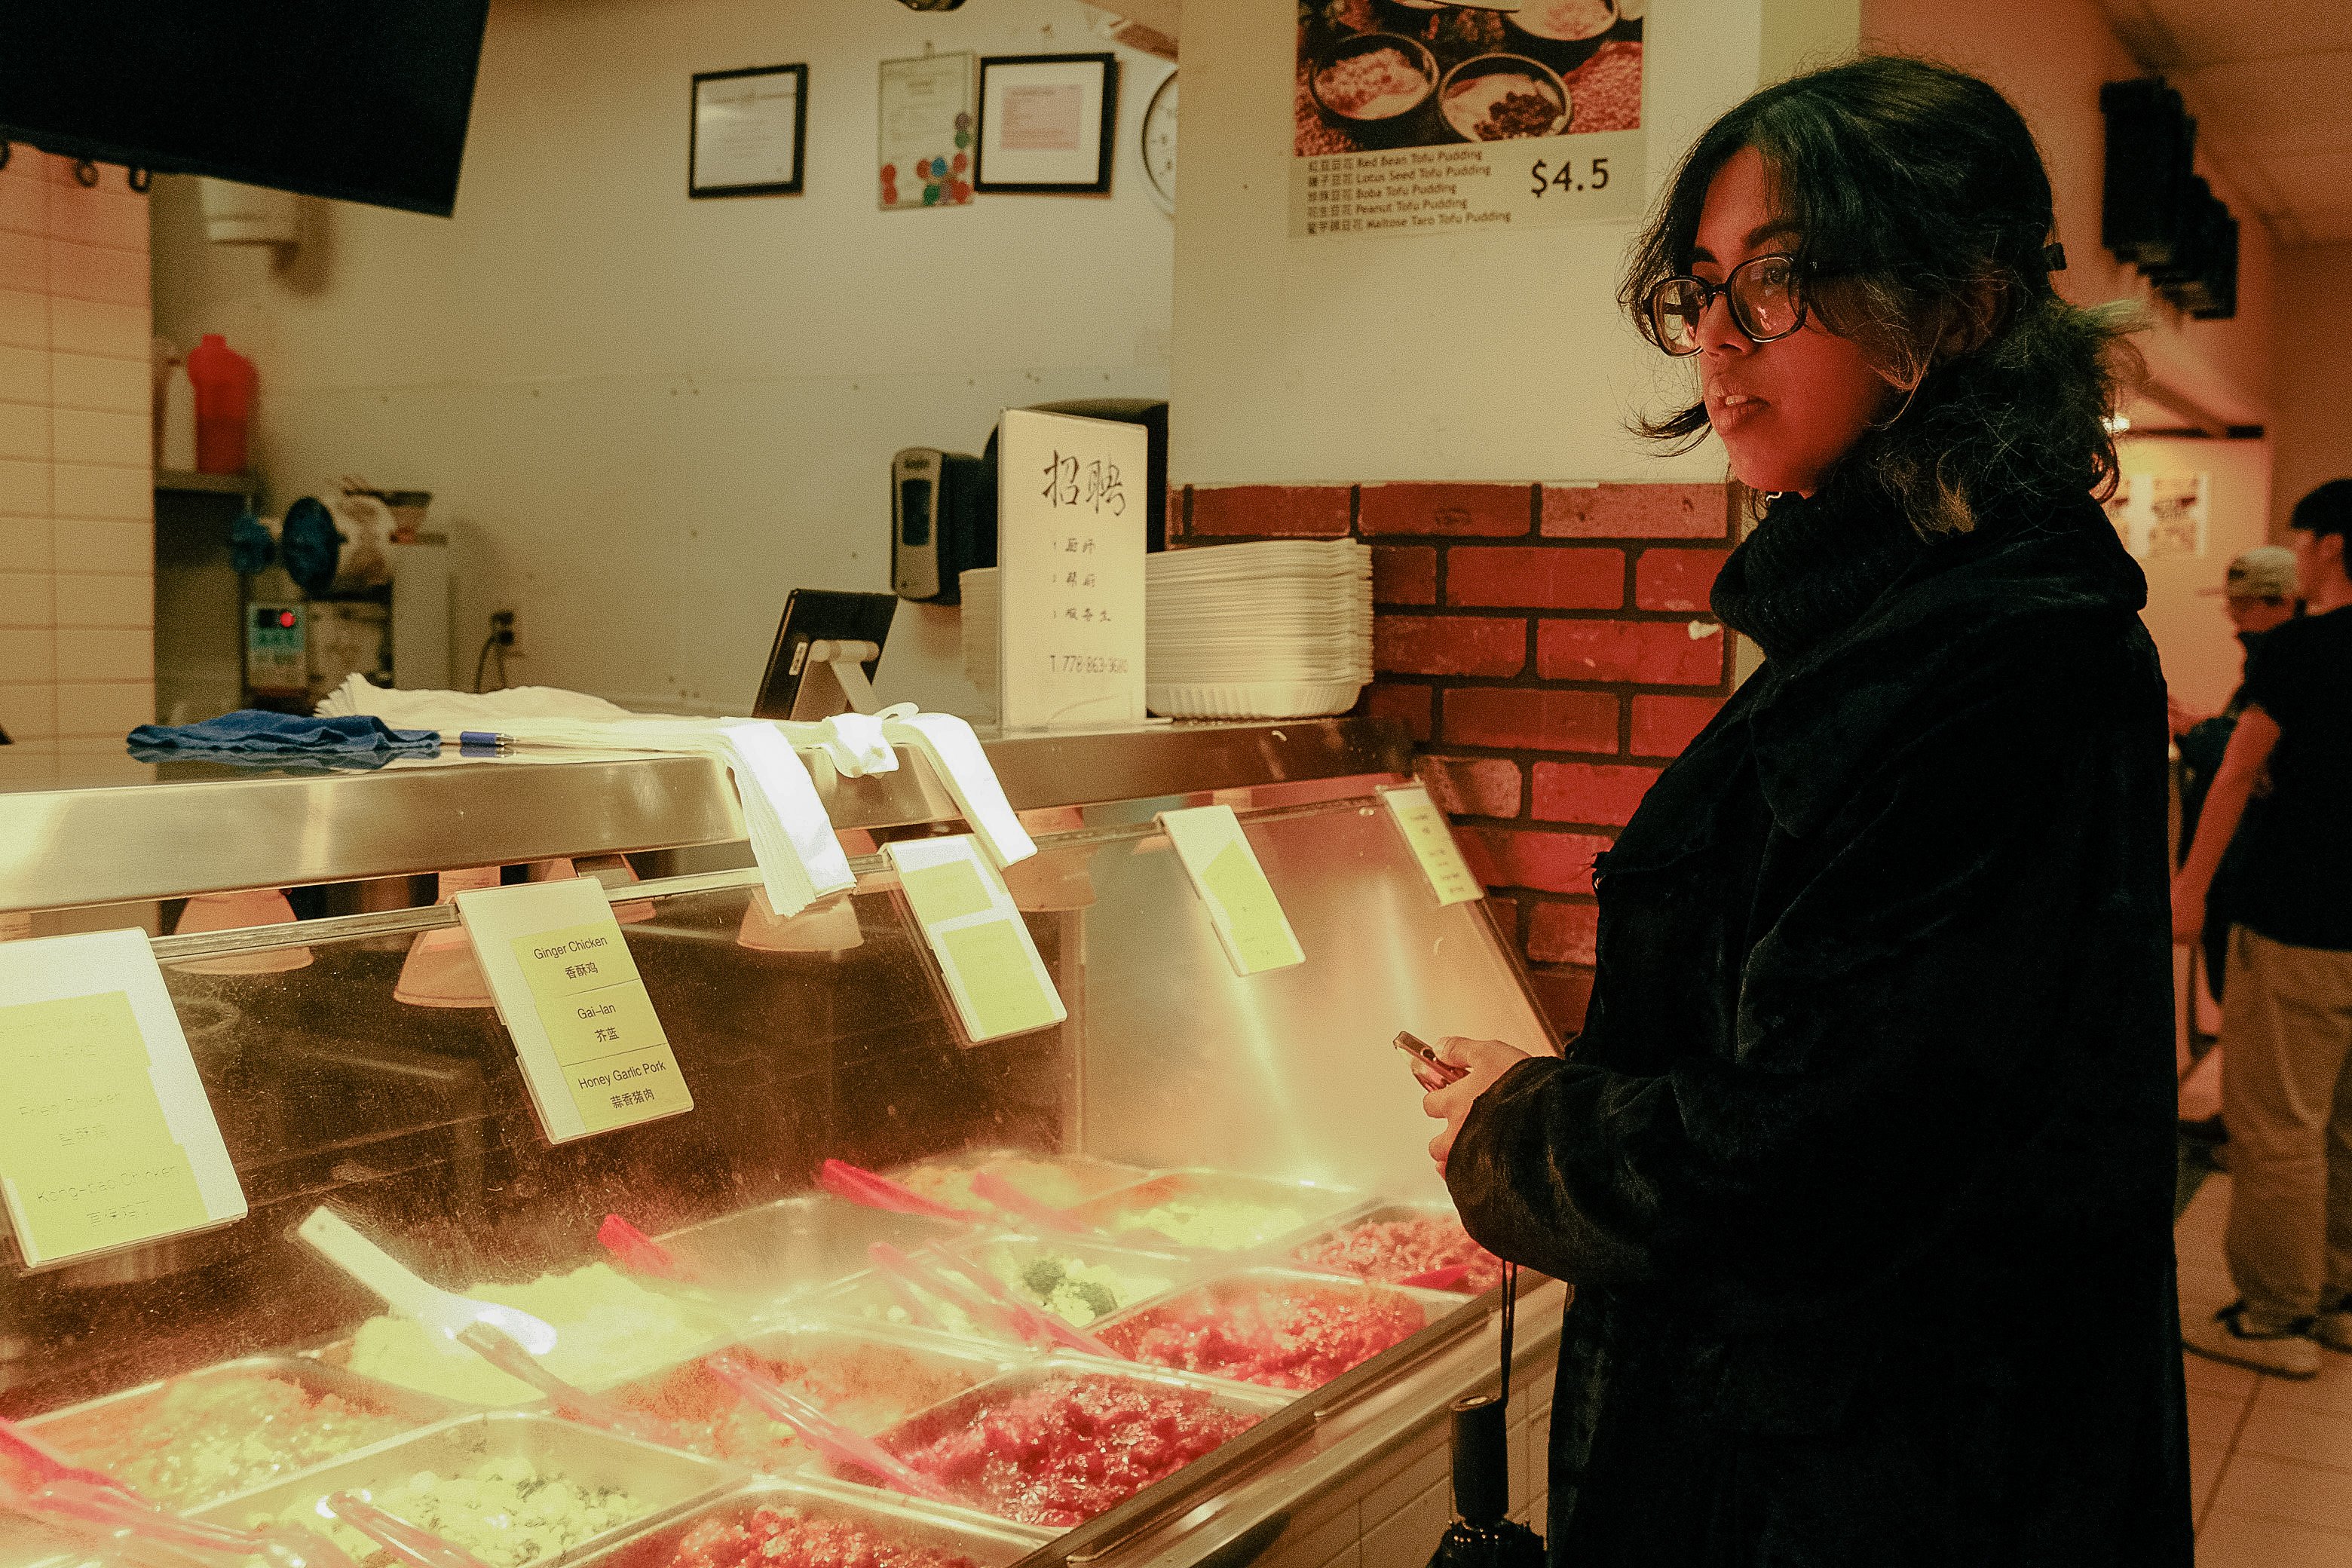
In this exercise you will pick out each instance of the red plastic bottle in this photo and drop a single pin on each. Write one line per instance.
(224, 381)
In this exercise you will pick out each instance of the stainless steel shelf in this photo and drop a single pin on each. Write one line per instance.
(179, 828)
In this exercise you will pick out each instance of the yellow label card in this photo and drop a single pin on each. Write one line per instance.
(997, 968)
(591, 1047)
(988, 963)
(950, 890)
(87, 1152)
(1431, 838)
(106, 1139)
(1242, 908)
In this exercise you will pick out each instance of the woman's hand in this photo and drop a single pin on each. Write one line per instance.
(2187, 909)
(1483, 1062)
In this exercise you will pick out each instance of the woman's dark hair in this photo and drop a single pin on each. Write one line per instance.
(1923, 222)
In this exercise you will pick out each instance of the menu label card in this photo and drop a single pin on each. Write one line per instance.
(993, 975)
(106, 1138)
(1247, 917)
(1431, 838)
(591, 1047)
(1072, 502)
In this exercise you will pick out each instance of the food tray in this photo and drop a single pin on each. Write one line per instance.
(667, 1482)
(865, 1298)
(1317, 1205)
(765, 1257)
(1435, 1305)
(314, 1376)
(1257, 1402)
(1379, 1214)
(1099, 1176)
(988, 1542)
(977, 1362)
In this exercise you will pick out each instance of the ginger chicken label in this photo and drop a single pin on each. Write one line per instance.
(591, 1047)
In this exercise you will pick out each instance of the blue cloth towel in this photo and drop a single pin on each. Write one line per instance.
(253, 733)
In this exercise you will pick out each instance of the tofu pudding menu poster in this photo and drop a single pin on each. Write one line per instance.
(1417, 117)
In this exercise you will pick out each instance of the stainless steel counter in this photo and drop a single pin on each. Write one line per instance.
(167, 830)
(803, 1040)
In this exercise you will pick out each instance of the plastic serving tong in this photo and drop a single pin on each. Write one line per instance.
(995, 1189)
(405, 1293)
(823, 1433)
(860, 1185)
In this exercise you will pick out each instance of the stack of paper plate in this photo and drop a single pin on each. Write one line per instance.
(978, 587)
(1277, 630)
(1274, 630)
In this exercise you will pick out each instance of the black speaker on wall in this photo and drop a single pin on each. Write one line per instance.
(2155, 212)
(2202, 275)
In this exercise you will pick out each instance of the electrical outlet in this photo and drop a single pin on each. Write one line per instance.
(502, 631)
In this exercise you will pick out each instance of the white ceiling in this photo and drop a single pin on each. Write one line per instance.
(2270, 82)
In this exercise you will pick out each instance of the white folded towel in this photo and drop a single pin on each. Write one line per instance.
(450, 712)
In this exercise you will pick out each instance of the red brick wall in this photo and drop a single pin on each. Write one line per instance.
(1537, 640)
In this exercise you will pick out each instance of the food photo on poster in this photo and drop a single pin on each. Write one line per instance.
(1412, 116)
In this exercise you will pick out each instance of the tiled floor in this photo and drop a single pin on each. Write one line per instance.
(2271, 1461)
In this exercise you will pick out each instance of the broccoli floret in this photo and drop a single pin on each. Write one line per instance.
(1098, 1296)
(1044, 1276)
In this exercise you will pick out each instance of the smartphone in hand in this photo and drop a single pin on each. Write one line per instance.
(1427, 1070)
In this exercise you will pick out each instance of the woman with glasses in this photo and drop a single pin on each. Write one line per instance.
(1863, 1165)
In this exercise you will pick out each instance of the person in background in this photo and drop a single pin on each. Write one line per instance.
(1863, 1166)
(2286, 1007)
(2259, 592)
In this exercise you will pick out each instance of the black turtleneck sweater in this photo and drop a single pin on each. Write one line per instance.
(1810, 568)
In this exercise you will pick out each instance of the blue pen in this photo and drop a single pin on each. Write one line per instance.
(485, 741)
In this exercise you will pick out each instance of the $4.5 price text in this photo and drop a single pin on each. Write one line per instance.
(1573, 175)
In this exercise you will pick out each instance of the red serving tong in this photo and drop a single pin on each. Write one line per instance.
(1028, 1321)
(639, 1253)
(993, 1188)
(67, 1491)
(1444, 1278)
(823, 1432)
(46, 1465)
(502, 1351)
(902, 1271)
(860, 1185)
(990, 1301)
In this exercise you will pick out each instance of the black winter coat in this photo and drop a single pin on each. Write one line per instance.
(1863, 1166)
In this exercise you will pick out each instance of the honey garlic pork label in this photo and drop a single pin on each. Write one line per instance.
(1413, 120)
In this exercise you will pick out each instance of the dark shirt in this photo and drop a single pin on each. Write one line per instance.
(2201, 748)
(2295, 885)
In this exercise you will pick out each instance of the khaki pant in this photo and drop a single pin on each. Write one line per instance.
(2286, 1096)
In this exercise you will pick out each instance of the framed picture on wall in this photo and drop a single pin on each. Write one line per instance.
(1046, 124)
(744, 139)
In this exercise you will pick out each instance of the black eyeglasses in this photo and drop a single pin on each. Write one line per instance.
(1766, 304)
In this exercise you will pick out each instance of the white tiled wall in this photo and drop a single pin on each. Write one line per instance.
(77, 496)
